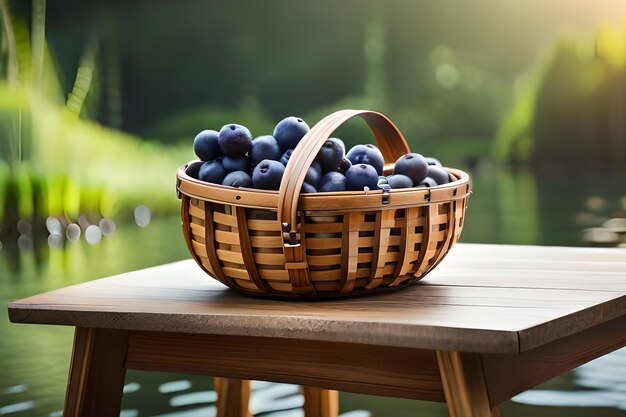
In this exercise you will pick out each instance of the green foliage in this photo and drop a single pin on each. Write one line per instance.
(54, 161)
(5, 177)
(183, 127)
(514, 138)
(572, 108)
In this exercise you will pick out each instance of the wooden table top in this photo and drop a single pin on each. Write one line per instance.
(481, 298)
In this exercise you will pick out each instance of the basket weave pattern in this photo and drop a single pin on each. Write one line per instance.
(385, 247)
(347, 243)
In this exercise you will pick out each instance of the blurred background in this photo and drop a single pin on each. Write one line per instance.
(100, 102)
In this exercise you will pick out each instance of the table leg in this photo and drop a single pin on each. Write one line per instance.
(320, 402)
(232, 397)
(464, 385)
(96, 377)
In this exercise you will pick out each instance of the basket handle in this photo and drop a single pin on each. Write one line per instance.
(388, 138)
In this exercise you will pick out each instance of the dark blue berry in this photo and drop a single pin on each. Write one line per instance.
(289, 131)
(330, 154)
(235, 140)
(361, 176)
(264, 147)
(332, 181)
(206, 146)
(399, 181)
(427, 182)
(413, 165)
(433, 161)
(193, 169)
(285, 157)
(367, 154)
(236, 164)
(314, 174)
(238, 179)
(308, 188)
(268, 174)
(212, 171)
(438, 174)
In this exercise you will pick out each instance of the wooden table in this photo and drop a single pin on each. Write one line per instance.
(491, 321)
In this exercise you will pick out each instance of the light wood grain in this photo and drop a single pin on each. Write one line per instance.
(233, 396)
(375, 370)
(464, 384)
(481, 298)
(320, 402)
(96, 377)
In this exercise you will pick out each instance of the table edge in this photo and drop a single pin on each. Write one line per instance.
(315, 329)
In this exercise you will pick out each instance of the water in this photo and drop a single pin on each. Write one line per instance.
(507, 207)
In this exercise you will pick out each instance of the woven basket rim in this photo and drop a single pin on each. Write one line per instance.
(359, 200)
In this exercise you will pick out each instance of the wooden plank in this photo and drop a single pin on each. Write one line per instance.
(464, 384)
(466, 311)
(233, 396)
(508, 375)
(503, 278)
(488, 310)
(320, 402)
(539, 253)
(96, 377)
(376, 370)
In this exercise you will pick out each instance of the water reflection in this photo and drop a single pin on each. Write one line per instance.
(174, 386)
(199, 397)
(54, 225)
(17, 407)
(93, 234)
(17, 389)
(72, 232)
(275, 397)
(55, 241)
(25, 243)
(608, 386)
(132, 387)
(143, 215)
(107, 226)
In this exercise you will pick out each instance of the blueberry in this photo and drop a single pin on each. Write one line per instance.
(433, 161)
(268, 174)
(206, 146)
(413, 165)
(193, 169)
(367, 154)
(285, 158)
(238, 179)
(331, 154)
(333, 181)
(344, 165)
(236, 164)
(212, 171)
(307, 188)
(360, 176)
(235, 140)
(314, 174)
(399, 181)
(427, 182)
(289, 131)
(264, 147)
(438, 174)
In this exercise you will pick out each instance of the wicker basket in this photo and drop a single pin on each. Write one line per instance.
(283, 244)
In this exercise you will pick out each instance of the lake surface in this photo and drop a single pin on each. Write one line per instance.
(506, 207)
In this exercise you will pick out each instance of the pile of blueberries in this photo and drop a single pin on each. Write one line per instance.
(231, 157)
